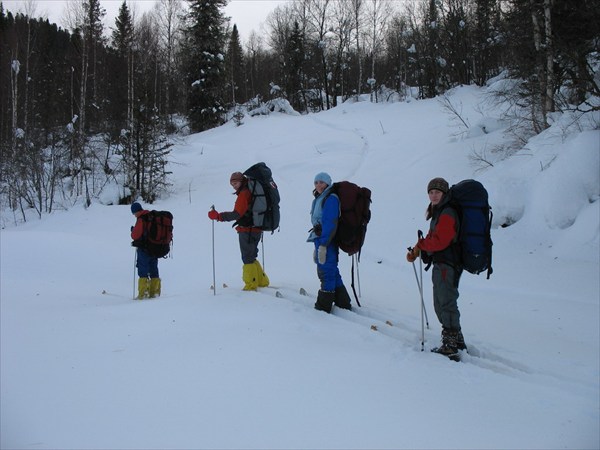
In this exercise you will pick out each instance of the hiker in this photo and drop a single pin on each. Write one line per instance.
(324, 213)
(249, 236)
(438, 247)
(147, 265)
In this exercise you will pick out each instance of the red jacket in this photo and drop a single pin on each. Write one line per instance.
(440, 236)
(138, 230)
(242, 203)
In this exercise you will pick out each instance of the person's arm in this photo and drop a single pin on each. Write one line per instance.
(242, 203)
(441, 236)
(329, 220)
(138, 230)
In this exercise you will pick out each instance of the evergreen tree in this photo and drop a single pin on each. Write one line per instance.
(236, 72)
(204, 65)
(294, 69)
(121, 80)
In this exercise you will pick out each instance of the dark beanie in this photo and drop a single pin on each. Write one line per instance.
(135, 207)
(438, 183)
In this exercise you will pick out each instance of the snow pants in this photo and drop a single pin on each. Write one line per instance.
(328, 273)
(147, 266)
(445, 280)
(249, 245)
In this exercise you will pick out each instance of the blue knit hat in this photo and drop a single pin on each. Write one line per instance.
(324, 177)
(135, 207)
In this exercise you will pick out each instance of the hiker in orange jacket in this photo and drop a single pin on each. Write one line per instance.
(249, 236)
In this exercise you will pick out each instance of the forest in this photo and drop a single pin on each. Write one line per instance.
(92, 111)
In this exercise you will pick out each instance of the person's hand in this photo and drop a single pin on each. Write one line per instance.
(213, 214)
(322, 254)
(413, 253)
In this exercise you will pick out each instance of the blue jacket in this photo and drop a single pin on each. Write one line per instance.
(325, 212)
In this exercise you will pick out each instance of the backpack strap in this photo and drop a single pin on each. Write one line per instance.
(352, 283)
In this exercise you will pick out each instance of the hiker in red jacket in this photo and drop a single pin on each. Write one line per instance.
(149, 282)
(439, 247)
(249, 236)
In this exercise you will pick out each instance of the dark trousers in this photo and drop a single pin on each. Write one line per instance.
(445, 280)
(249, 246)
(147, 265)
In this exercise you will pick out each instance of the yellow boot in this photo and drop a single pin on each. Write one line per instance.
(250, 277)
(143, 285)
(263, 279)
(154, 290)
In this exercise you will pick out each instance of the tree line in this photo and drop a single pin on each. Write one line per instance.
(88, 111)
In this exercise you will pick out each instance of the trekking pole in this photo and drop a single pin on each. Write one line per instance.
(421, 290)
(213, 254)
(357, 275)
(134, 266)
(262, 246)
(420, 236)
(422, 305)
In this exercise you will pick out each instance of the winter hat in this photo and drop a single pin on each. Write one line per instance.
(438, 183)
(135, 207)
(324, 177)
(236, 176)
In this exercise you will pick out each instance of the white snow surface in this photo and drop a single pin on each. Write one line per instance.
(84, 366)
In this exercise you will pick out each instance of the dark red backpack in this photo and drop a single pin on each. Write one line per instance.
(158, 233)
(355, 214)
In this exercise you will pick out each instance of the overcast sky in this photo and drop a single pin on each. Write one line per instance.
(247, 14)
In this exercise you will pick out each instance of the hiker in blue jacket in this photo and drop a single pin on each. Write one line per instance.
(325, 212)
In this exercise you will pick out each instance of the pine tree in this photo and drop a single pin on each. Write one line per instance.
(294, 69)
(121, 80)
(236, 72)
(204, 64)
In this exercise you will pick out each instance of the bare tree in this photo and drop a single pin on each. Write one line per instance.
(357, 18)
(379, 12)
(167, 14)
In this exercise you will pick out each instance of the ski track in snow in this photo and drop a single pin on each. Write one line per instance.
(479, 356)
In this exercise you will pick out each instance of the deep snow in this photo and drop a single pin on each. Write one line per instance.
(85, 366)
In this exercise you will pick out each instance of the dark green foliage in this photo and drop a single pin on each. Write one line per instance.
(204, 65)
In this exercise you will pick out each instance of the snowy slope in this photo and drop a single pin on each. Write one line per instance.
(84, 366)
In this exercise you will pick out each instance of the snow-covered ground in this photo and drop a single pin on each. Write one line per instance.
(84, 366)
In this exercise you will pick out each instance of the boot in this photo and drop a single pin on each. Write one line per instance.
(250, 277)
(263, 279)
(325, 301)
(449, 343)
(143, 285)
(154, 290)
(342, 299)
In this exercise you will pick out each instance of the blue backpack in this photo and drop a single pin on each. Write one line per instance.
(470, 200)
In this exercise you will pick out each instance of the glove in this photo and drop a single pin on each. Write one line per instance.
(413, 254)
(322, 254)
(213, 214)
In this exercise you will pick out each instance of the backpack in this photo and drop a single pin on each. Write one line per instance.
(470, 200)
(264, 207)
(355, 214)
(158, 233)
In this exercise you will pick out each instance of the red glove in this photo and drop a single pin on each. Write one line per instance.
(213, 214)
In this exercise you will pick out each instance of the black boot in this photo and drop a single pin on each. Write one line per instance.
(325, 301)
(342, 299)
(449, 345)
(460, 341)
